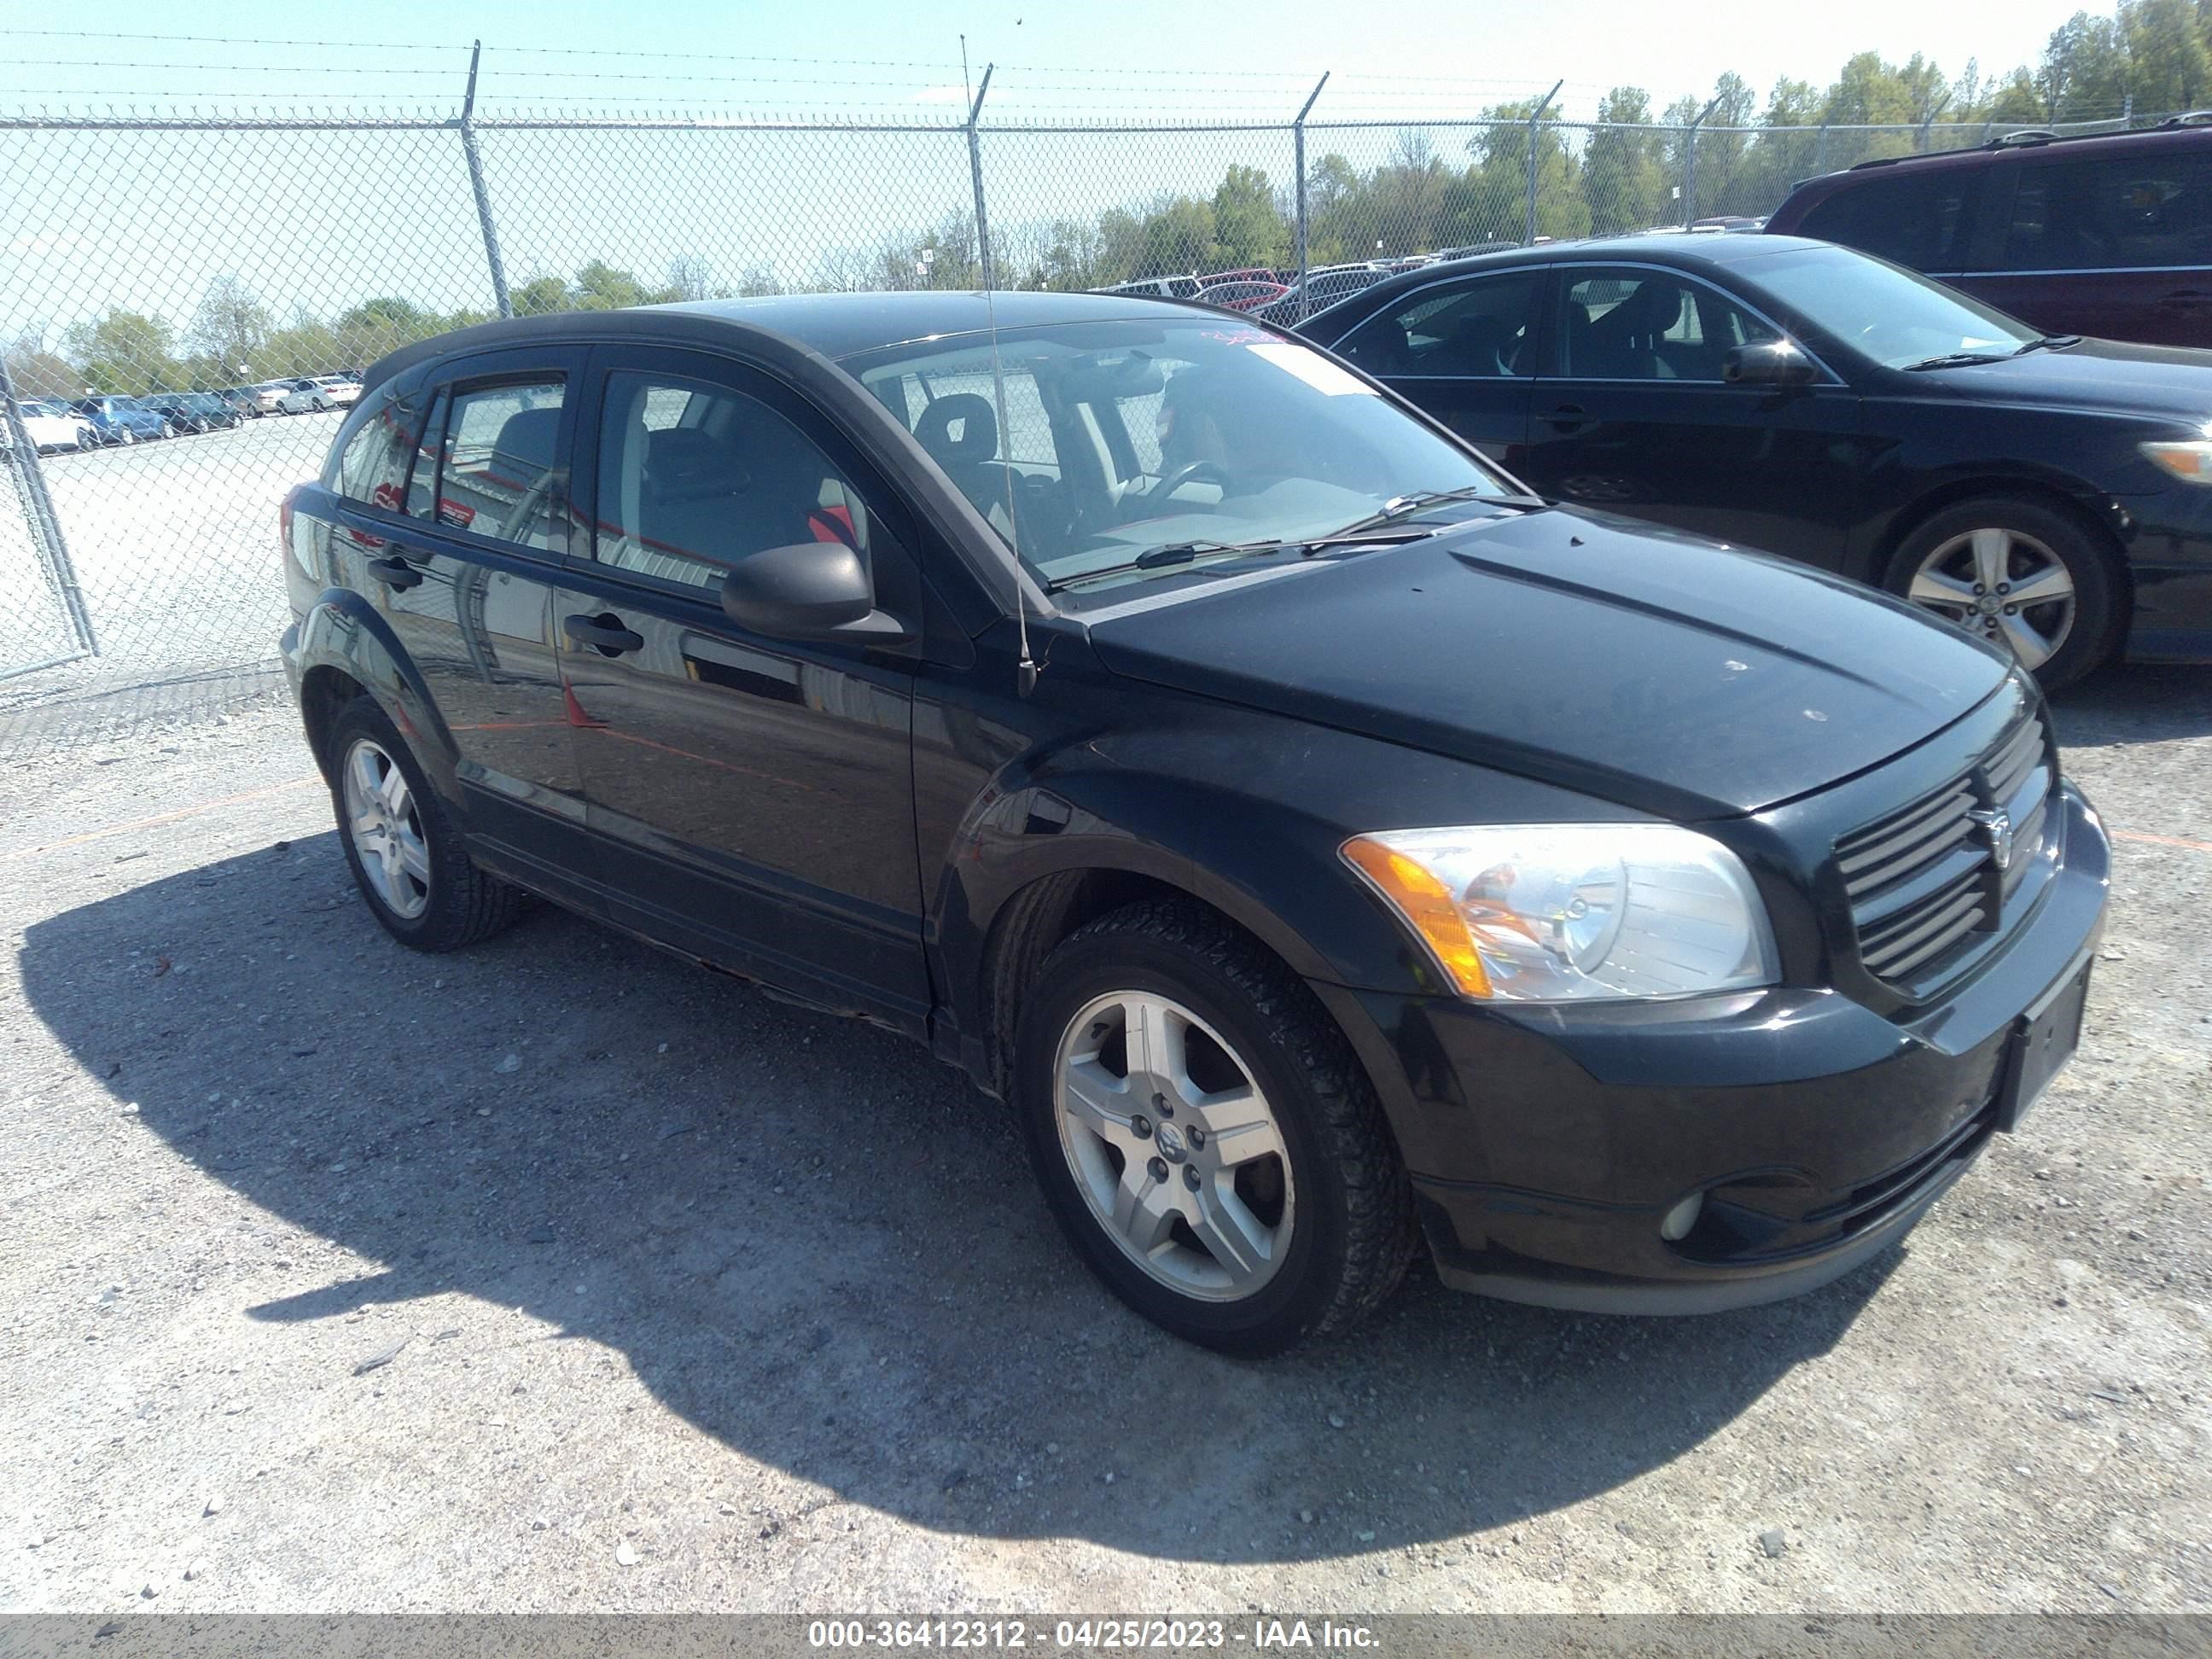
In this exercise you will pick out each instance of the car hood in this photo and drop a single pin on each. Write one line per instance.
(2099, 375)
(1649, 669)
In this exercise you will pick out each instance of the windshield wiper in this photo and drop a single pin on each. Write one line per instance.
(2049, 342)
(1421, 501)
(1956, 360)
(1154, 558)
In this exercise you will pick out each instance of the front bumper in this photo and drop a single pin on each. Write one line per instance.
(2169, 543)
(1548, 1144)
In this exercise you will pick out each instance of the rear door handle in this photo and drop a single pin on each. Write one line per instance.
(604, 633)
(1565, 415)
(2188, 299)
(395, 572)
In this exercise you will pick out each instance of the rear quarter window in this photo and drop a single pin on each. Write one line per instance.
(371, 468)
(2112, 212)
(1922, 220)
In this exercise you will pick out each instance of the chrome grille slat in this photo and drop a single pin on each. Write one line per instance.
(1922, 882)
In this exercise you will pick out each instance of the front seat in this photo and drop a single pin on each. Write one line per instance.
(960, 433)
(1623, 344)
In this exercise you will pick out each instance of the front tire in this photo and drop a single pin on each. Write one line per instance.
(2023, 575)
(405, 852)
(1204, 1135)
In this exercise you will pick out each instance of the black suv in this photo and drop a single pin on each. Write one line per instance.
(1320, 843)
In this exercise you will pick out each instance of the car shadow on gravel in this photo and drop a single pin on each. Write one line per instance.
(2134, 703)
(816, 1243)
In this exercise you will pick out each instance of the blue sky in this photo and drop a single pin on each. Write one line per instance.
(1056, 57)
(147, 221)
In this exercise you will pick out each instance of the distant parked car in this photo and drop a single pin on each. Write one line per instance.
(2106, 233)
(1167, 288)
(343, 390)
(193, 411)
(52, 425)
(123, 420)
(1322, 288)
(1248, 274)
(243, 401)
(269, 396)
(1241, 296)
(2049, 493)
(306, 397)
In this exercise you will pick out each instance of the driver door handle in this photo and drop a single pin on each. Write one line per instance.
(603, 632)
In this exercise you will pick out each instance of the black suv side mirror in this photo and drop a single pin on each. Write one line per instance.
(1768, 362)
(809, 590)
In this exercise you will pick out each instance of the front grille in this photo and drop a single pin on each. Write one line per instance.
(1925, 885)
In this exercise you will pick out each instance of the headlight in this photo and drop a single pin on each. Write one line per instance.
(1573, 912)
(2188, 459)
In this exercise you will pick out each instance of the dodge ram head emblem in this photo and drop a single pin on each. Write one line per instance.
(1997, 827)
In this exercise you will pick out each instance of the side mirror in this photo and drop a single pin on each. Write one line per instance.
(1769, 363)
(809, 590)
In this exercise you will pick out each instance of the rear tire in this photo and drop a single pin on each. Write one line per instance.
(1291, 1216)
(1966, 563)
(430, 896)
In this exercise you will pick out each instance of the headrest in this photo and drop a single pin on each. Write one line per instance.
(1655, 307)
(525, 442)
(683, 463)
(976, 440)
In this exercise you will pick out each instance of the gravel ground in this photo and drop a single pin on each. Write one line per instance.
(561, 1276)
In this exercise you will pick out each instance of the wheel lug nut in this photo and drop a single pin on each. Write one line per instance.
(1163, 1105)
(2012, 610)
(1190, 1176)
(1141, 1128)
(1979, 588)
(1197, 1137)
(2004, 587)
(1159, 1169)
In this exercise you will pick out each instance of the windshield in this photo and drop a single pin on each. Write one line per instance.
(1893, 315)
(1124, 438)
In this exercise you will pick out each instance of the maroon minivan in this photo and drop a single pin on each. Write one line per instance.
(2107, 234)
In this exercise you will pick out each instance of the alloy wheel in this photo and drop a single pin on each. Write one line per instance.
(386, 830)
(2005, 585)
(1174, 1146)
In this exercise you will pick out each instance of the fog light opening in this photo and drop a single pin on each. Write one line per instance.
(1675, 1224)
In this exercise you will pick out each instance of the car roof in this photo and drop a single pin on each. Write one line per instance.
(2025, 141)
(836, 326)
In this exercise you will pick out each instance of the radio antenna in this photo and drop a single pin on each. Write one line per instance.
(1026, 669)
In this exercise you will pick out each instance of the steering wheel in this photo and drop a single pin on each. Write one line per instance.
(1189, 471)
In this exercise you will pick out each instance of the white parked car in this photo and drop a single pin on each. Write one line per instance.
(268, 395)
(52, 426)
(343, 390)
(303, 397)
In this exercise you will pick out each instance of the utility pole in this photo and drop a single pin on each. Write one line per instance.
(976, 169)
(1690, 166)
(1299, 149)
(484, 222)
(1534, 116)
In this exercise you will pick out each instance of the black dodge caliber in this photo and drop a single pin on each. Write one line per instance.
(1321, 844)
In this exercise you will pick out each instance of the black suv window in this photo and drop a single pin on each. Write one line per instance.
(372, 467)
(1918, 219)
(694, 476)
(1479, 329)
(499, 464)
(2098, 213)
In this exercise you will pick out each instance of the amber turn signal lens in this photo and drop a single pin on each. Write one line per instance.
(1427, 905)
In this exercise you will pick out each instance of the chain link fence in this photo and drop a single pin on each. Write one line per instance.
(174, 289)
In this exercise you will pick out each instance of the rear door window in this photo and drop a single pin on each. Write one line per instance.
(1482, 329)
(1921, 219)
(2085, 213)
(499, 464)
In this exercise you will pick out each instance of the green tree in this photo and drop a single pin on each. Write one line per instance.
(1623, 177)
(1249, 229)
(125, 353)
(2084, 73)
(2168, 68)
(35, 372)
(539, 296)
(230, 327)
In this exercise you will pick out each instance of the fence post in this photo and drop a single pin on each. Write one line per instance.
(1534, 116)
(975, 174)
(2127, 111)
(1299, 154)
(1820, 150)
(484, 221)
(45, 526)
(1690, 166)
